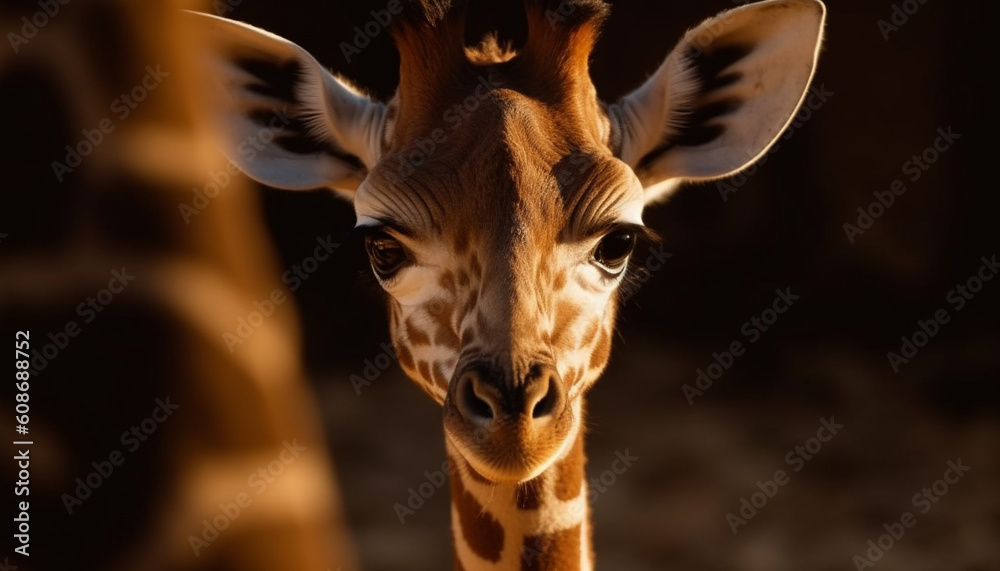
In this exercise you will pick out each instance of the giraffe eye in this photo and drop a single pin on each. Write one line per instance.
(613, 251)
(387, 255)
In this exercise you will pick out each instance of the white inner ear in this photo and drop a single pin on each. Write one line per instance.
(322, 134)
(687, 123)
(334, 109)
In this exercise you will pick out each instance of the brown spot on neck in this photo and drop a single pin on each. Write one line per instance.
(552, 552)
(529, 494)
(482, 532)
(562, 482)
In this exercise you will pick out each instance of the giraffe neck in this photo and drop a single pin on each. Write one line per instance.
(541, 525)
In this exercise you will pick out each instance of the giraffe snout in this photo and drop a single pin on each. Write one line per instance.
(486, 397)
(508, 427)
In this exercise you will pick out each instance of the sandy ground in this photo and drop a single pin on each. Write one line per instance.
(696, 463)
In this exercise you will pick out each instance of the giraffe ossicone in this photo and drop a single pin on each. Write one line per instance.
(500, 201)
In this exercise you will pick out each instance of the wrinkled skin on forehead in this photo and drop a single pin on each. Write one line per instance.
(501, 223)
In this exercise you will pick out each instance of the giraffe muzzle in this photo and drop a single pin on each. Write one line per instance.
(507, 427)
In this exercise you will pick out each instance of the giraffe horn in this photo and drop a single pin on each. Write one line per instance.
(430, 37)
(562, 34)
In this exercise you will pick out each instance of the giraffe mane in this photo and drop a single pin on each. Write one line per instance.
(491, 50)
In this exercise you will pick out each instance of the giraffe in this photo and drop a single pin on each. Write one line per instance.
(499, 202)
(159, 340)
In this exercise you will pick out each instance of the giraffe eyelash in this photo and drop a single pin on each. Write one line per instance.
(385, 268)
(643, 232)
(637, 274)
(617, 265)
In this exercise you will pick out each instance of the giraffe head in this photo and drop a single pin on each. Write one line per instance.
(499, 199)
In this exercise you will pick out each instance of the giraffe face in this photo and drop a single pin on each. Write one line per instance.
(501, 257)
(499, 198)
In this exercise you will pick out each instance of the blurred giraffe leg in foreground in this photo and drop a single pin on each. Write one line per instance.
(183, 449)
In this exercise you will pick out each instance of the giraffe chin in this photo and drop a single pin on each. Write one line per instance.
(509, 454)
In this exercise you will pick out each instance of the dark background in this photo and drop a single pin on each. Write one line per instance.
(827, 356)
(784, 228)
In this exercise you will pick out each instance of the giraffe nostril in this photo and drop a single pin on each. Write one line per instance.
(548, 402)
(478, 406)
(485, 398)
(472, 404)
(542, 392)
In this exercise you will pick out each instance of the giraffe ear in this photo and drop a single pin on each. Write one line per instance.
(722, 96)
(281, 117)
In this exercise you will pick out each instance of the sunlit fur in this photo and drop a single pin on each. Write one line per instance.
(501, 230)
(499, 173)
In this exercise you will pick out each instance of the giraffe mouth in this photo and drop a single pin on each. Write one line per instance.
(509, 426)
(511, 450)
